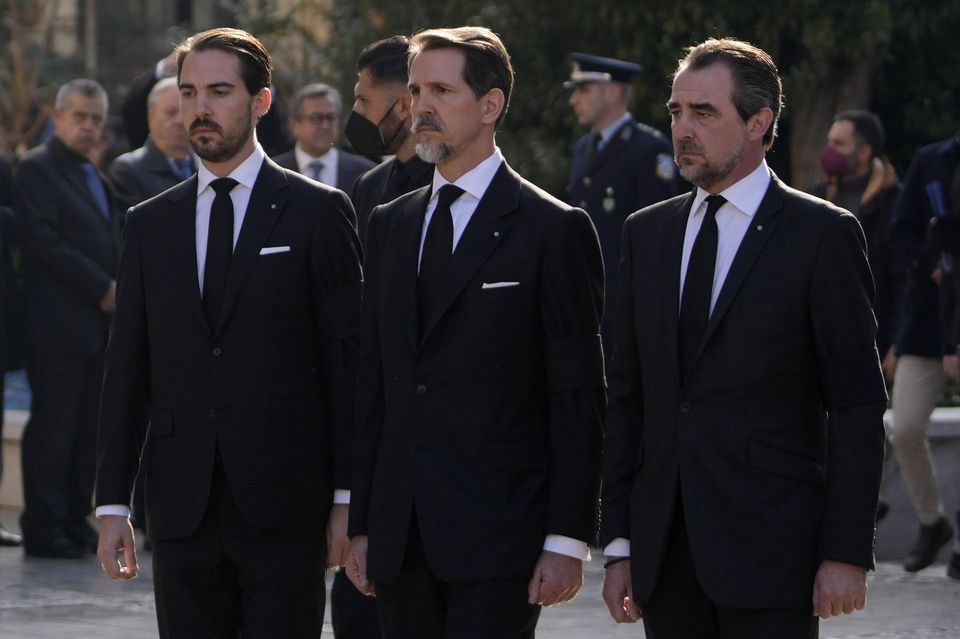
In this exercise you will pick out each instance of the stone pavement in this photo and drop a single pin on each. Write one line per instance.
(59, 599)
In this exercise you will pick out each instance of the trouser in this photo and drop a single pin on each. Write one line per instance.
(916, 387)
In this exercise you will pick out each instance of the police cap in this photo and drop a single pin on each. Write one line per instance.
(593, 68)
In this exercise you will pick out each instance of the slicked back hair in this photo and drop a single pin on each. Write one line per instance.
(756, 81)
(486, 63)
(256, 67)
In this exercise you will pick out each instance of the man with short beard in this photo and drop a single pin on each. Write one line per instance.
(744, 436)
(481, 388)
(238, 300)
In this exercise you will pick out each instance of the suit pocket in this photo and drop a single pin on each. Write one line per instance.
(785, 463)
(161, 423)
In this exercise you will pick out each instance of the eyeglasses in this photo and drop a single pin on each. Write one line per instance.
(320, 118)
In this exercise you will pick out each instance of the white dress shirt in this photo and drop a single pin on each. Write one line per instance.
(330, 159)
(733, 221)
(608, 132)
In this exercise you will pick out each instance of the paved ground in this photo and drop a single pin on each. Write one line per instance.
(54, 599)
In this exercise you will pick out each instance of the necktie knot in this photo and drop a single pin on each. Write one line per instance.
(316, 167)
(448, 194)
(714, 202)
(223, 185)
(182, 168)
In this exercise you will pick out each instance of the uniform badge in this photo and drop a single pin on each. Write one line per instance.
(666, 169)
(608, 202)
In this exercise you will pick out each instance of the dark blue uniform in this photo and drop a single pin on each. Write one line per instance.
(633, 170)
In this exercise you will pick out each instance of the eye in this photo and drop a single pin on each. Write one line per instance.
(674, 115)
(414, 90)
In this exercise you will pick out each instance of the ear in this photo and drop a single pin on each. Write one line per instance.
(759, 123)
(261, 102)
(402, 107)
(492, 105)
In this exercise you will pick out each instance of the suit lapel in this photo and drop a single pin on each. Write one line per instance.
(674, 227)
(183, 242)
(483, 233)
(267, 202)
(403, 275)
(762, 226)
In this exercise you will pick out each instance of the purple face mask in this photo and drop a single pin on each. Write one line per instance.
(833, 162)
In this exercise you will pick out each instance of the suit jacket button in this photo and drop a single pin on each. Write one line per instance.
(684, 407)
(211, 413)
(217, 352)
(421, 389)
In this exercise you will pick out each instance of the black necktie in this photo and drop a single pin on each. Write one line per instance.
(219, 249)
(698, 286)
(437, 249)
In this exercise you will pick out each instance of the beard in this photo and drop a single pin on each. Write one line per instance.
(710, 172)
(224, 147)
(432, 151)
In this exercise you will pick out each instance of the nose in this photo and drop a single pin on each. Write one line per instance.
(573, 98)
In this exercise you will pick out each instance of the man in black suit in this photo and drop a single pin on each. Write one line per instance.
(315, 123)
(70, 231)
(619, 166)
(380, 125)
(238, 296)
(481, 388)
(164, 160)
(744, 437)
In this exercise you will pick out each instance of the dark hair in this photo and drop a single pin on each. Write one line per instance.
(866, 127)
(486, 63)
(314, 90)
(756, 81)
(256, 68)
(386, 60)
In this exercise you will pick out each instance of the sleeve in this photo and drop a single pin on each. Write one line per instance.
(571, 298)
(337, 280)
(853, 392)
(39, 210)
(122, 422)
(369, 392)
(624, 423)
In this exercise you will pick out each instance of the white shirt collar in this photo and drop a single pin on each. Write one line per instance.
(304, 159)
(245, 174)
(475, 181)
(744, 195)
(608, 132)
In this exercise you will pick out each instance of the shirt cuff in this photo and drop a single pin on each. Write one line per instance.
(619, 547)
(341, 496)
(567, 546)
(112, 509)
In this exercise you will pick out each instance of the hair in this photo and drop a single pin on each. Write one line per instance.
(867, 128)
(486, 63)
(315, 90)
(81, 86)
(756, 81)
(386, 60)
(256, 67)
(165, 84)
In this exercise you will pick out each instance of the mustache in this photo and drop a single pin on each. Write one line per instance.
(689, 146)
(427, 120)
(206, 123)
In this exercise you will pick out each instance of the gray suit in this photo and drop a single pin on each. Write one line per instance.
(140, 174)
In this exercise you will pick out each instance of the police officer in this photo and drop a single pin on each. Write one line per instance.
(620, 166)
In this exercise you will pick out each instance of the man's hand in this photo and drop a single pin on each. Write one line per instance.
(116, 536)
(108, 303)
(618, 593)
(556, 578)
(338, 544)
(889, 364)
(357, 566)
(951, 366)
(838, 589)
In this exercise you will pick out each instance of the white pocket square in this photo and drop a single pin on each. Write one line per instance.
(499, 284)
(270, 250)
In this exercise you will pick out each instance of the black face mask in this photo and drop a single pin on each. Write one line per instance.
(365, 137)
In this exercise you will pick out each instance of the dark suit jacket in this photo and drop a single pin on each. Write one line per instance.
(139, 175)
(776, 440)
(372, 188)
(349, 167)
(269, 387)
(489, 423)
(70, 249)
(635, 169)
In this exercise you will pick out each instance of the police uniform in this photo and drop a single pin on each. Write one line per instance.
(610, 180)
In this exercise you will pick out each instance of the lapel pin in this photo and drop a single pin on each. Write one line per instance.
(759, 227)
(496, 233)
(273, 206)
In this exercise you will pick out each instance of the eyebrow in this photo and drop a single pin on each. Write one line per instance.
(212, 85)
(696, 106)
